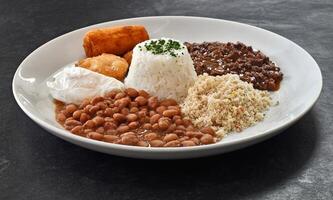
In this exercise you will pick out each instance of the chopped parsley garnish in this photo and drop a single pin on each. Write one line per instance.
(163, 46)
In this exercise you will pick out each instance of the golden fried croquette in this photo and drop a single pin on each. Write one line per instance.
(116, 40)
(107, 64)
(128, 57)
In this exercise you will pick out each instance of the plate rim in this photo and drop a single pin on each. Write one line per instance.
(64, 134)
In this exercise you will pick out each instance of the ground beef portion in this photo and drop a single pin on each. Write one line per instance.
(217, 58)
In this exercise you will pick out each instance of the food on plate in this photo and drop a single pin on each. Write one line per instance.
(128, 56)
(163, 67)
(107, 64)
(74, 84)
(133, 117)
(115, 40)
(225, 102)
(217, 58)
(172, 95)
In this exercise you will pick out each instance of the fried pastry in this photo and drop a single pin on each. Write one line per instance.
(116, 40)
(107, 64)
(128, 57)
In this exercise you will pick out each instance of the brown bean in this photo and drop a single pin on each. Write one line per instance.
(196, 134)
(100, 113)
(144, 108)
(208, 130)
(101, 105)
(120, 95)
(98, 120)
(119, 117)
(124, 111)
(93, 110)
(179, 122)
(111, 94)
(95, 136)
(207, 139)
(171, 128)
(72, 122)
(173, 143)
(110, 126)
(183, 138)
(174, 108)
(155, 126)
(181, 127)
(86, 131)
(170, 137)
(134, 110)
(143, 94)
(87, 108)
(153, 102)
(170, 113)
(131, 117)
(129, 140)
(141, 100)
(97, 99)
(115, 110)
(147, 126)
(133, 104)
(133, 125)
(131, 92)
(179, 132)
(100, 130)
(89, 124)
(111, 132)
(195, 140)
(174, 118)
(61, 117)
(161, 109)
(142, 114)
(127, 133)
(108, 112)
(143, 120)
(123, 129)
(109, 119)
(187, 122)
(78, 130)
(84, 117)
(188, 143)
(163, 123)
(84, 103)
(77, 114)
(70, 108)
(150, 136)
(110, 138)
(156, 143)
(143, 143)
(168, 102)
(190, 128)
(154, 119)
(152, 112)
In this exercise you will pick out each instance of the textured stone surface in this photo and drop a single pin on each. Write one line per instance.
(297, 164)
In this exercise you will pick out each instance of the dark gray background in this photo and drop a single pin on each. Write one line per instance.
(297, 164)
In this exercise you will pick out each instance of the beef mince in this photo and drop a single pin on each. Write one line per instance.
(217, 58)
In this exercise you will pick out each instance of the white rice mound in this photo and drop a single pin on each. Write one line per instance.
(225, 103)
(164, 76)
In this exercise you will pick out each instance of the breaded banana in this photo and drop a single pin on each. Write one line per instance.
(128, 57)
(107, 64)
(116, 40)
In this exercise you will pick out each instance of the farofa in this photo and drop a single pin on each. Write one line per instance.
(225, 102)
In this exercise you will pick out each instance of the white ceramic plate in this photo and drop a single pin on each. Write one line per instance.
(299, 90)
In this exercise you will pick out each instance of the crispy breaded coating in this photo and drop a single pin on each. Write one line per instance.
(107, 64)
(128, 57)
(116, 40)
